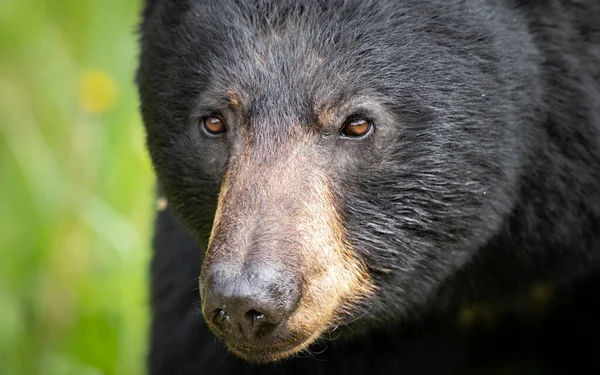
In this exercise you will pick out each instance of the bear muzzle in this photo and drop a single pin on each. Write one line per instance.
(278, 271)
(248, 307)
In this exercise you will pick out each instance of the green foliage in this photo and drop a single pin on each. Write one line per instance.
(76, 190)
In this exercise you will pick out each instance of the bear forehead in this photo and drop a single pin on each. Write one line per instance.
(306, 48)
(278, 55)
(297, 37)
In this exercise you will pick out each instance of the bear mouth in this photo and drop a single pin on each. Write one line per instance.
(266, 354)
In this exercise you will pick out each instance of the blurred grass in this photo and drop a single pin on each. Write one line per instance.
(76, 190)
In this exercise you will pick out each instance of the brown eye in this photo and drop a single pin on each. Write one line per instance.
(213, 125)
(356, 128)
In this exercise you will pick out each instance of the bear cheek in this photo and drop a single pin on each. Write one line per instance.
(334, 278)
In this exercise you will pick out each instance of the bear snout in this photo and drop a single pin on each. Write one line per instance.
(248, 306)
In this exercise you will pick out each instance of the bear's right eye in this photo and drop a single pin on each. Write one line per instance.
(356, 128)
(213, 125)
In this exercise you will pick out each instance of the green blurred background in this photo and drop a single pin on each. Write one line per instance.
(76, 189)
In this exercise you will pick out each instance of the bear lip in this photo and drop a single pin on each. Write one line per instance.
(265, 354)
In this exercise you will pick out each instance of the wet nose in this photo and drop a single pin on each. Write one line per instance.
(249, 305)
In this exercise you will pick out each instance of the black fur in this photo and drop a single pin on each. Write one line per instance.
(481, 178)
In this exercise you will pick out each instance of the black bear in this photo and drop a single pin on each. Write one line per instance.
(361, 186)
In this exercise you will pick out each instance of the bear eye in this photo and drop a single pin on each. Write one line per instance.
(213, 125)
(356, 128)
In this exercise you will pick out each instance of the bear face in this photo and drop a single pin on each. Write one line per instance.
(337, 161)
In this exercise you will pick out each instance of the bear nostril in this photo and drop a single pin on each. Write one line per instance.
(222, 315)
(220, 318)
(254, 315)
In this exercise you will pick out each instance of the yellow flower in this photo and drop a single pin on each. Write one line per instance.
(97, 92)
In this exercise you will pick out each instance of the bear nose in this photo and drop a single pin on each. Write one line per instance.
(248, 305)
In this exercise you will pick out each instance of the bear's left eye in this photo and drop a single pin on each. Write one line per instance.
(213, 125)
(356, 128)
